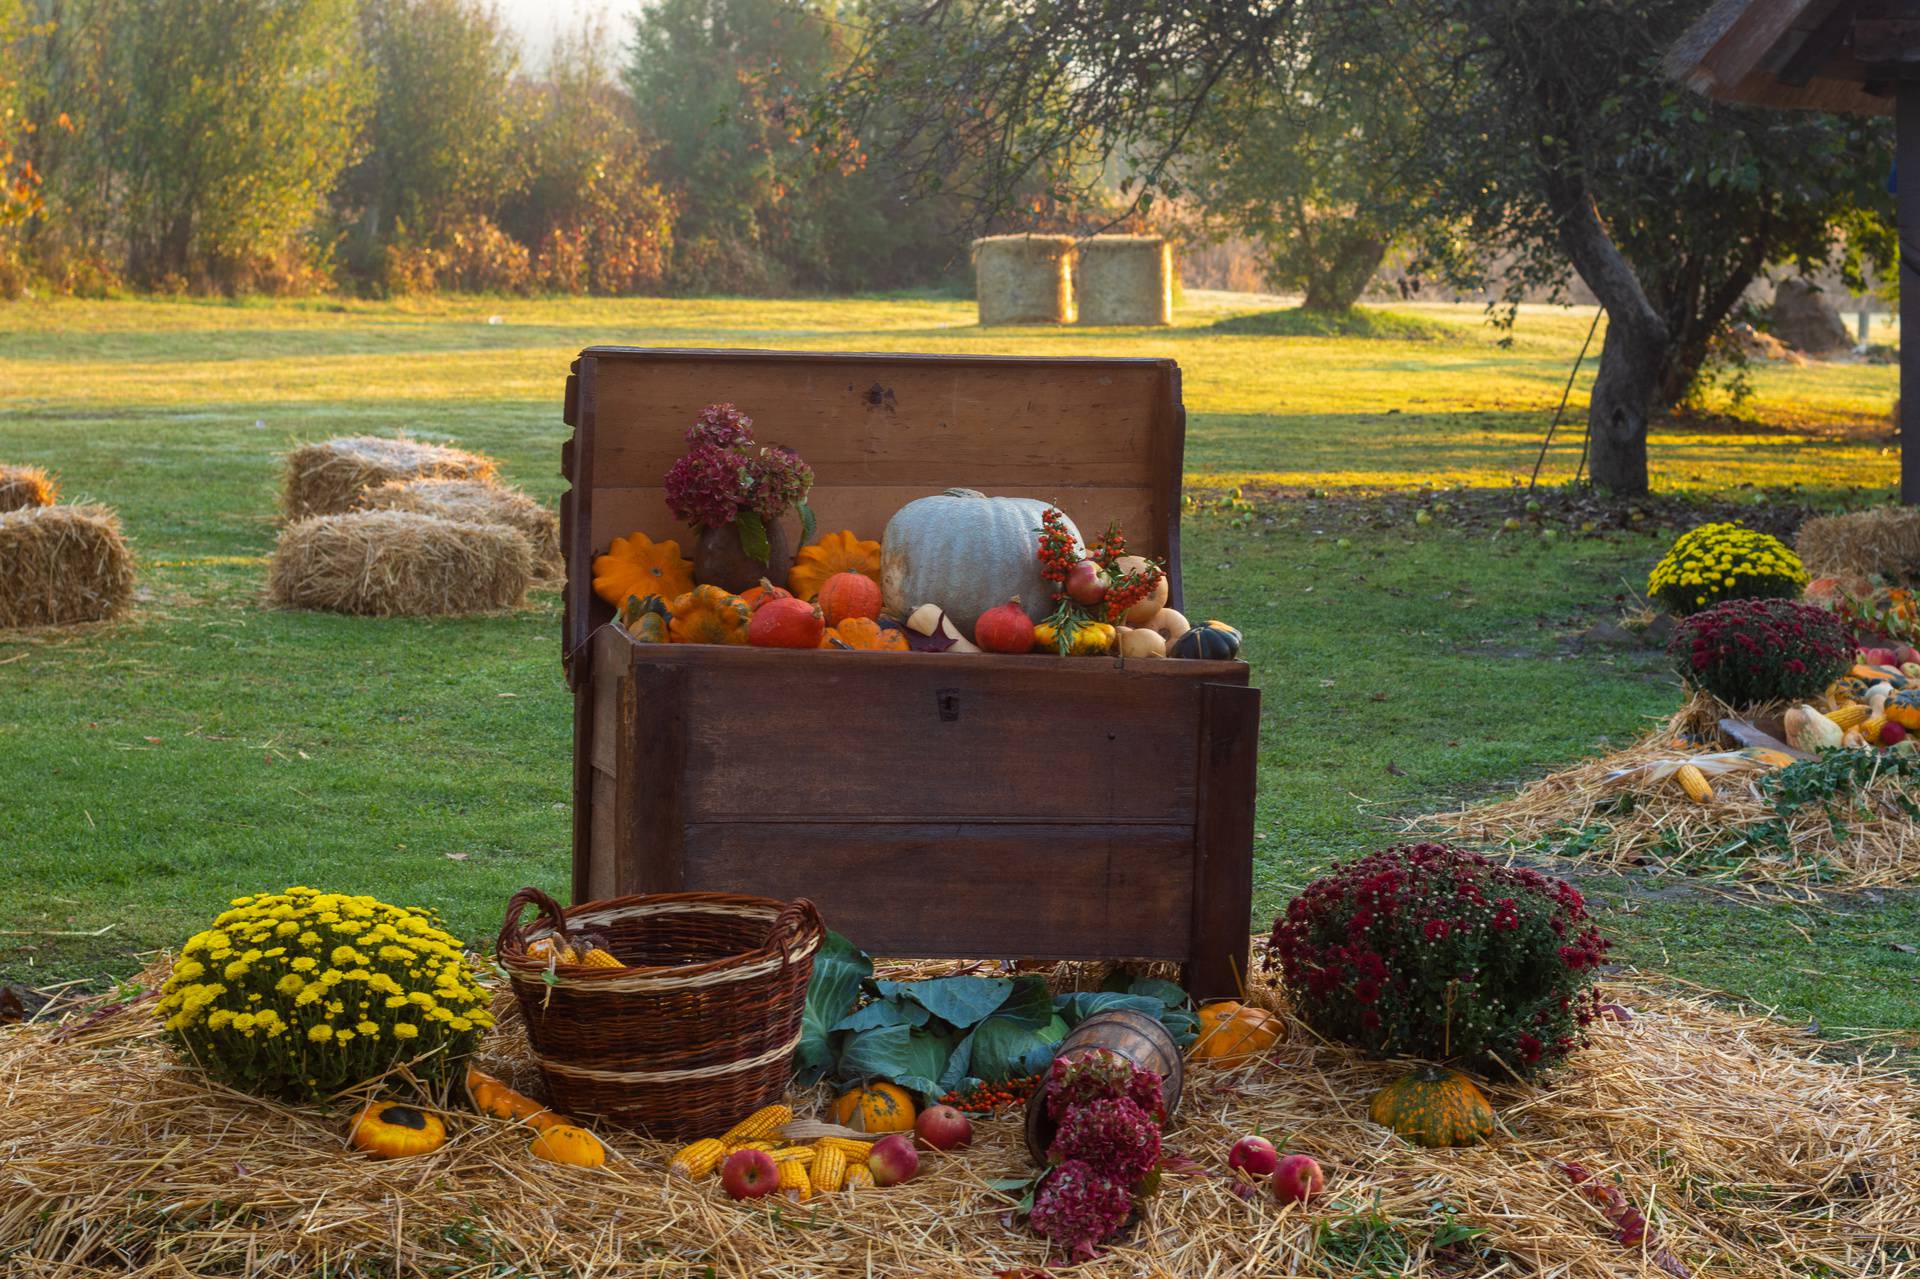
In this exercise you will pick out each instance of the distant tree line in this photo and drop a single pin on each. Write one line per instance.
(395, 146)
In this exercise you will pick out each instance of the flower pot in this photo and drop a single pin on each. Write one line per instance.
(718, 559)
(1139, 1037)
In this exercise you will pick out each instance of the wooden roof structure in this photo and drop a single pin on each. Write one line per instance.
(1825, 55)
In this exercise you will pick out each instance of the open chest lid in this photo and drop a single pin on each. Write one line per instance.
(1100, 438)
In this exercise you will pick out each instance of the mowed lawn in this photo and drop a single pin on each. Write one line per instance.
(212, 746)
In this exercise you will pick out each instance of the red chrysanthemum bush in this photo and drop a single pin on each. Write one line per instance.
(1748, 652)
(1432, 952)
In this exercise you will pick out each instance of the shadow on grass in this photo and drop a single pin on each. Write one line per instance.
(1354, 322)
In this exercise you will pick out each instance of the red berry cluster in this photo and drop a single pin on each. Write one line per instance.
(987, 1098)
(1109, 546)
(1059, 550)
(1130, 588)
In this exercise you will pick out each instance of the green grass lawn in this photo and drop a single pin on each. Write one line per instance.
(211, 746)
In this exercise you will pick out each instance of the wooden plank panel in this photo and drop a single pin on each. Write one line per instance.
(866, 420)
(933, 890)
(610, 657)
(602, 878)
(866, 510)
(1223, 841)
(1015, 741)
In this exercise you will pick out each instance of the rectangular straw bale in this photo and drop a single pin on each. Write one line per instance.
(60, 565)
(1124, 279)
(1024, 279)
(328, 477)
(1883, 542)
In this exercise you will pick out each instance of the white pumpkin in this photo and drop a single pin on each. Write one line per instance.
(969, 551)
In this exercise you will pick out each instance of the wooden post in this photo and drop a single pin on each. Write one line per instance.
(1223, 843)
(1907, 151)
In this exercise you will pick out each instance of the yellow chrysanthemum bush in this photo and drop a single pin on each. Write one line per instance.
(1716, 562)
(302, 994)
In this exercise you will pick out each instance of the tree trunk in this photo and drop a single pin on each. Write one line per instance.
(1636, 348)
(1341, 280)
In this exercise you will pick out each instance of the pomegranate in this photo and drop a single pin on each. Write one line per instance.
(1006, 629)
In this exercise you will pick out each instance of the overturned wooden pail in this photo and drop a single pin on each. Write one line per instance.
(1139, 1037)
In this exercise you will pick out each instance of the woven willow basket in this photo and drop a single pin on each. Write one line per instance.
(699, 1029)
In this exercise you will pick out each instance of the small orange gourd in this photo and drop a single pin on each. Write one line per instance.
(874, 1108)
(639, 566)
(393, 1131)
(1233, 1034)
(495, 1097)
(786, 623)
(866, 635)
(1434, 1107)
(840, 552)
(846, 595)
(766, 592)
(708, 615)
(566, 1144)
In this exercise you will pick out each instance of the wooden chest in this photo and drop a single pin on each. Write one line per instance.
(932, 805)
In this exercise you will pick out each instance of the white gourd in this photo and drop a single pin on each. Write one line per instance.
(969, 551)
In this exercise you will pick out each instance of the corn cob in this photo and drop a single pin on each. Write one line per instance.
(802, 1155)
(1850, 716)
(599, 959)
(1694, 783)
(750, 1145)
(696, 1161)
(1870, 729)
(829, 1168)
(763, 1122)
(858, 1177)
(544, 948)
(794, 1183)
(855, 1151)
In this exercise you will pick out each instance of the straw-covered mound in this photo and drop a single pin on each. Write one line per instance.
(1124, 279)
(24, 486)
(328, 478)
(62, 564)
(399, 564)
(1884, 541)
(1623, 811)
(1024, 279)
(478, 502)
(1750, 1156)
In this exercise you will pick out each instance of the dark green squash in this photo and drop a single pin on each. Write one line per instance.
(1213, 642)
(1434, 1107)
(646, 619)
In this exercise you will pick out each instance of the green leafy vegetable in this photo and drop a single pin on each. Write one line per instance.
(839, 967)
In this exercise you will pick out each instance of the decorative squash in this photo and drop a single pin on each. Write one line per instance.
(863, 633)
(1170, 624)
(969, 551)
(787, 623)
(847, 595)
(708, 615)
(937, 633)
(1089, 639)
(1214, 642)
(1434, 1107)
(492, 1096)
(1006, 629)
(754, 596)
(1143, 609)
(646, 619)
(639, 566)
(1232, 1034)
(566, 1144)
(875, 1107)
(1138, 641)
(840, 552)
(1903, 708)
(393, 1131)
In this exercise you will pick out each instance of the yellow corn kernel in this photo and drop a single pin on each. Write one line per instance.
(1694, 783)
(1850, 716)
(829, 1168)
(802, 1155)
(599, 959)
(858, 1177)
(696, 1161)
(545, 948)
(763, 1122)
(1870, 728)
(751, 1145)
(794, 1182)
(855, 1151)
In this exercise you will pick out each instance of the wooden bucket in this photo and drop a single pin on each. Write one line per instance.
(1134, 1035)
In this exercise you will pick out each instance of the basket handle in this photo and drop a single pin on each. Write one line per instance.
(798, 918)
(511, 931)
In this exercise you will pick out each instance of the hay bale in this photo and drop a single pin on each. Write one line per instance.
(399, 564)
(1124, 279)
(478, 502)
(1883, 542)
(24, 486)
(328, 478)
(1024, 279)
(62, 564)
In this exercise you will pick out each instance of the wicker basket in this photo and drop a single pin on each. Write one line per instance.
(696, 1033)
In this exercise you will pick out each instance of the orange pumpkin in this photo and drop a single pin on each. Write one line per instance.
(708, 615)
(866, 635)
(786, 623)
(876, 1107)
(1234, 1034)
(846, 595)
(766, 592)
(638, 566)
(840, 552)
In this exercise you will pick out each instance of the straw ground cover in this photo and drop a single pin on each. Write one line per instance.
(129, 1169)
(209, 746)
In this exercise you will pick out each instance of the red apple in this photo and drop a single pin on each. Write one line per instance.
(1254, 1156)
(1905, 653)
(1297, 1179)
(1087, 582)
(1892, 734)
(749, 1174)
(1872, 656)
(893, 1160)
(943, 1128)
